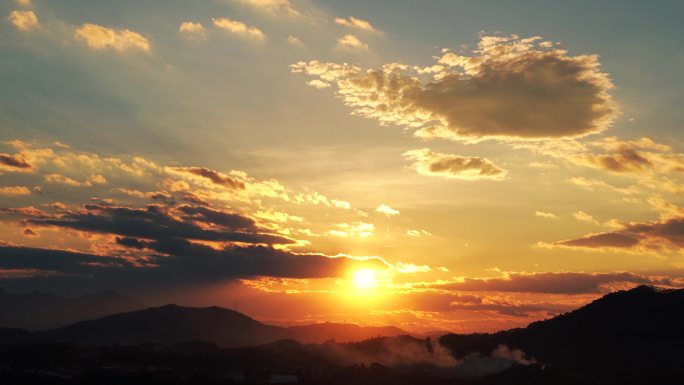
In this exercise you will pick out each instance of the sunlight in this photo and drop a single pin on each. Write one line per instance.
(365, 279)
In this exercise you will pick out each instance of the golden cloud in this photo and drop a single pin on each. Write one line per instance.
(14, 190)
(427, 162)
(351, 42)
(355, 23)
(272, 6)
(24, 20)
(239, 28)
(99, 38)
(191, 29)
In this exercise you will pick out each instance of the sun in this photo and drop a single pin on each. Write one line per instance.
(365, 279)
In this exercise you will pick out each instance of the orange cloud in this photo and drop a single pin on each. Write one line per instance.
(15, 190)
(16, 162)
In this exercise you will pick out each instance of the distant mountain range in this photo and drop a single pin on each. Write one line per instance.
(626, 337)
(173, 324)
(37, 311)
(168, 324)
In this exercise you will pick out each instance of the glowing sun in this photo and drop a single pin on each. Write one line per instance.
(365, 279)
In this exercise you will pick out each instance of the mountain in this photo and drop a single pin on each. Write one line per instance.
(631, 337)
(36, 311)
(634, 332)
(170, 324)
(322, 332)
(173, 324)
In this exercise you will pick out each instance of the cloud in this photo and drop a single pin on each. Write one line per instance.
(663, 234)
(62, 179)
(215, 177)
(552, 282)
(319, 84)
(624, 159)
(417, 233)
(180, 261)
(161, 222)
(294, 41)
(351, 42)
(640, 156)
(384, 209)
(272, 6)
(24, 20)
(239, 28)
(353, 22)
(510, 88)
(56, 260)
(14, 190)
(544, 214)
(410, 268)
(585, 217)
(24, 3)
(355, 229)
(249, 261)
(14, 162)
(427, 162)
(98, 37)
(192, 30)
(508, 306)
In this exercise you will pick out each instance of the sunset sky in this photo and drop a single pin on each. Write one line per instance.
(434, 165)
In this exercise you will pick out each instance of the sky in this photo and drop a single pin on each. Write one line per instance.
(434, 165)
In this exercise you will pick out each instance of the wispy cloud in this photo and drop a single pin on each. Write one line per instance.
(239, 28)
(355, 23)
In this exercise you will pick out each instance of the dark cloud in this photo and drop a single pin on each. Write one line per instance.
(215, 177)
(157, 222)
(234, 221)
(667, 233)
(174, 262)
(30, 233)
(551, 283)
(55, 260)
(193, 198)
(510, 308)
(613, 240)
(249, 261)
(169, 245)
(14, 162)
(427, 162)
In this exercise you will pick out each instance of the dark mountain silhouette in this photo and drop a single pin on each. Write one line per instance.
(168, 325)
(636, 332)
(322, 332)
(36, 311)
(173, 324)
(627, 338)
